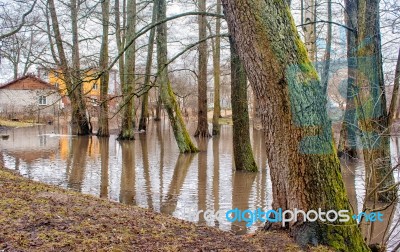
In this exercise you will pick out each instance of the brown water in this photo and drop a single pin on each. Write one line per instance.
(150, 172)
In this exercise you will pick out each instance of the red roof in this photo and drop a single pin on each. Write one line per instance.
(29, 76)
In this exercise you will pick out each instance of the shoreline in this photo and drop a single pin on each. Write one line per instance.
(38, 217)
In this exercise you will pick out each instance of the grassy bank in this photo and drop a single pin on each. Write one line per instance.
(40, 217)
(12, 124)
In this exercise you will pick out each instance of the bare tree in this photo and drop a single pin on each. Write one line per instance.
(71, 76)
(202, 120)
(104, 79)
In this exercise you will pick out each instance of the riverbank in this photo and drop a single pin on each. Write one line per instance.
(39, 217)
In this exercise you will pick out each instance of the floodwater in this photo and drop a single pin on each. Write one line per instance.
(150, 172)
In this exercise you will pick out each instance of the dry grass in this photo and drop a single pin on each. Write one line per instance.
(39, 217)
(13, 124)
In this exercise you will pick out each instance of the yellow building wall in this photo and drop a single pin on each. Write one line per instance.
(91, 85)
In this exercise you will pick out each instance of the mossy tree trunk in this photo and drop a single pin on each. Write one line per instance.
(128, 86)
(103, 130)
(167, 96)
(202, 121)
(371, 103)
(71, 77)
(304, 168)
(144, 115)
(242, 152)
(348, 140)
(217, 73)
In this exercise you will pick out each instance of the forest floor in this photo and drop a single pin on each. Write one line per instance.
(40, 217)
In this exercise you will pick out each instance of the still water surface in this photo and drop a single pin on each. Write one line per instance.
(150, 172)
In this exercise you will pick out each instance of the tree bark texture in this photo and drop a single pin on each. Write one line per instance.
(128, 88)
(104, 79)
(304, 168)
(242, 152)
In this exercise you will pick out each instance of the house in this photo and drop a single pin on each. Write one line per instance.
(27, 96)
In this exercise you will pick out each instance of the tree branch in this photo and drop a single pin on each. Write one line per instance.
(8, 34)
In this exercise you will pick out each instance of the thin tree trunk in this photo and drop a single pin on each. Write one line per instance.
(309, 28)
(327, 57)
(120, 42)
(104, 79)
(217, 73)
(348, 140)
(371, 103)
(304, 168)
(127, 127)
(144, 115)
(394, 103)
(242, 152)
(202, 121)
(182, 137)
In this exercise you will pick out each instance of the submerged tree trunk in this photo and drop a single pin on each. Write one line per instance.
(304, 168)
(202, 121)
(71, 77)
(104, 79)
(181, 134)
(371, 103)
(348, 139)
(217, 72)
(127, 127)
(242, 152)
(144, 115)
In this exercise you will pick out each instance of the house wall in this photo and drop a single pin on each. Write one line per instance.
(88, 83)
(26, 102)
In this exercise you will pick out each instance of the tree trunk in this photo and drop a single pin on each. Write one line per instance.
(104, 79)
(79, 121)
(309, 28)
(371, 103)
(217, 73)
(327, 56)
(128, 88)
(242, 152)
(394, 103)
(182, 137)
(144, 115)
(304, 168)
(120, 41)
(348, 140)
(202, 121)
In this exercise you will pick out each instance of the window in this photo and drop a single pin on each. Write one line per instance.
(42, 100)
(95, 86)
